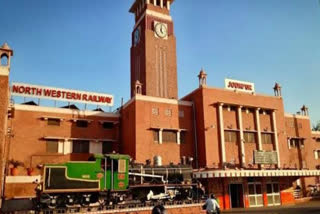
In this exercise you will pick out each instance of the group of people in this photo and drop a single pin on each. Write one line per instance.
(211, 206)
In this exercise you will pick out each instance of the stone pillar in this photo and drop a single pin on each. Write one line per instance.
(222, 140)
(67, 147)
(168, 5)
(242, 154)
(155, 2)
(258, 128)
(274, 124)
(160, 136)
(161, 3)
(148, 1)
(178, 137)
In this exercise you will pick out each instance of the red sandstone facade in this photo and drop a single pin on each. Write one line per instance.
(216, 130)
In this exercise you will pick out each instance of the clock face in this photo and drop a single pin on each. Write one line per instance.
(136, 36)
(161, 30)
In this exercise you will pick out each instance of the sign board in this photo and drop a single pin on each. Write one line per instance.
(263, 157)
(237, 85)
(60, 94)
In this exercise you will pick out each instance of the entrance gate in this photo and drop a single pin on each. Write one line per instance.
(236, 195)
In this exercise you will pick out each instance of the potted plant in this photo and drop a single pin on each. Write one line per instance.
(30, 171)
(15, 163)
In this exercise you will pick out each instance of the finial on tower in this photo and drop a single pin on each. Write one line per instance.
(5, 55)
(305, 110)
(277, 90)
(139, 5)
(202, 78)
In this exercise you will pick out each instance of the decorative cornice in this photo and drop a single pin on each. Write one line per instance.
(254, 173)
(157, 100)
(154, 14)
(4, 71)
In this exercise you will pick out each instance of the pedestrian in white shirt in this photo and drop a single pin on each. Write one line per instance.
(212, 206)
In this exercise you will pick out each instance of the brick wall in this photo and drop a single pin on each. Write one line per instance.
(30, 130)
(4, 97)
(142, 118)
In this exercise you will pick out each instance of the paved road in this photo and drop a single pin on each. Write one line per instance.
(312, 207)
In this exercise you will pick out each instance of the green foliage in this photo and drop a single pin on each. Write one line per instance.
(15, 163)
(316, 127)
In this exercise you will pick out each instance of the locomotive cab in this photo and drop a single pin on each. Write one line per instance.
(96, 180)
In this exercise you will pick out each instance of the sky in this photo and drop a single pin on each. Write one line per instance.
(85, 45)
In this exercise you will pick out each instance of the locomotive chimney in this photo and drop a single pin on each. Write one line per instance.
(157, 160)
(183, 160)
(148, 162)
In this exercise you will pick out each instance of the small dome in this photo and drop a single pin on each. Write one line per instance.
(138, 82)
(202, 72)
(6, 46)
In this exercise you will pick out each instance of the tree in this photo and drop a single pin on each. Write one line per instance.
(316, 127)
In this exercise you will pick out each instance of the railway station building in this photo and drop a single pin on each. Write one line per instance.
(243, 146)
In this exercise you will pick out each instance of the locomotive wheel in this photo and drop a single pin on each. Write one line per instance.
(70, 200)
(57, 201)
(85, 201)
(53, 203)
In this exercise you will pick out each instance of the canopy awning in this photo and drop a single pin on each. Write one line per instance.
(255, 173)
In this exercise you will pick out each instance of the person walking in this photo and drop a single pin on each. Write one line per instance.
(212, 206)
(159, 209)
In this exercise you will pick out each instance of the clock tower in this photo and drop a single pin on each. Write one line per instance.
(153, 51)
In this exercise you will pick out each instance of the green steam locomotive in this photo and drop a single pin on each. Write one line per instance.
(112, 179)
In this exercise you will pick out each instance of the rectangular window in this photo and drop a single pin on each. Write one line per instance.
(53, 122)
(266, 138)
(155, 135)
(255, 194)
(107, 125)
(80, 146)
(155, 111)
(107, 147)
(317, 154)
(168, 112)
(122, 166)
(318, 140)
(249, 137)
(52, 146)
(169, 136)
(181, 113)
(292, 143)
(82, 123)
(231, 136)
(273, 194)
(296, 143)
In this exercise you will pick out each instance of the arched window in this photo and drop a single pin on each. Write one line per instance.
(4, 60)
